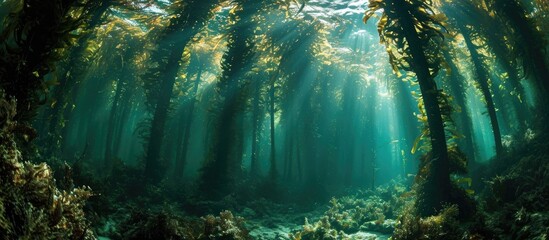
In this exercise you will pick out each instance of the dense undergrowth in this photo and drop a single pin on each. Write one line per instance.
(31, 205)
(35, 206)
(350, 217)
(512, 205)
(515, 199)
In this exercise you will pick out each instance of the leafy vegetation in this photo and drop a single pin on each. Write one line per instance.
(175, 111)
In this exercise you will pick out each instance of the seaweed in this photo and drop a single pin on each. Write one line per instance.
(31, 206)
(515, 199)
(144, 225)
(365, 211)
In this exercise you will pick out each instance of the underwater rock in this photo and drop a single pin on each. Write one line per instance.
(367, 236)
(280, 232)
(387, 227)
(248, 212)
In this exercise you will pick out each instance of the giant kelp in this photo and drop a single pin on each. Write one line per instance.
(183, 116)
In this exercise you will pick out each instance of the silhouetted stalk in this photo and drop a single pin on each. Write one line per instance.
(272, 171)
(483, 84)
(437, 184)
(127, 106)
(288, 161)
(171, 47)
(153, 165)
(498, 44)
(76, 66)
(236, 163)
(298, 159)
(530, 41)
(455, 83)
(181, 155)
(111, 125)
(256, 129)
(217, 176)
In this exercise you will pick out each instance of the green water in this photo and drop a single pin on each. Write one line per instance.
(275, 119)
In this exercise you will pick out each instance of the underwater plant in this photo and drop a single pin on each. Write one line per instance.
(529, 41)
(319, 230)
(33, 38)
(238, 119)
(483, 82)
(222, 163)
(161, 76)
(68, 74)
(444, 225)
(31, 206)
(144, 225)
(413, 36)
(367, 211)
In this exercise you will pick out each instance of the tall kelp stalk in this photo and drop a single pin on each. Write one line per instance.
(266, 95)
(223, 163)
(484, 86)
(204, 60)
(72, 68)
(483, 82)
(413, 35)
(456, 84)
(33, 39)
(257, 119)
(295, 43)
(459, 14)
(483, 23)
(185, 136)
(369, 153)
(120, 54)
(272, 19)
(170, 43)
(529, 41)
(273, 172)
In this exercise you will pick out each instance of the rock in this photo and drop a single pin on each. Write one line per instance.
(248, 213)
(387, 227)
(364, 236)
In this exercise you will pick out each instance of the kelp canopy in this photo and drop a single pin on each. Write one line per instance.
(413, 116)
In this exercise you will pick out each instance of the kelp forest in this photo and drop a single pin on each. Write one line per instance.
(274, 119)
